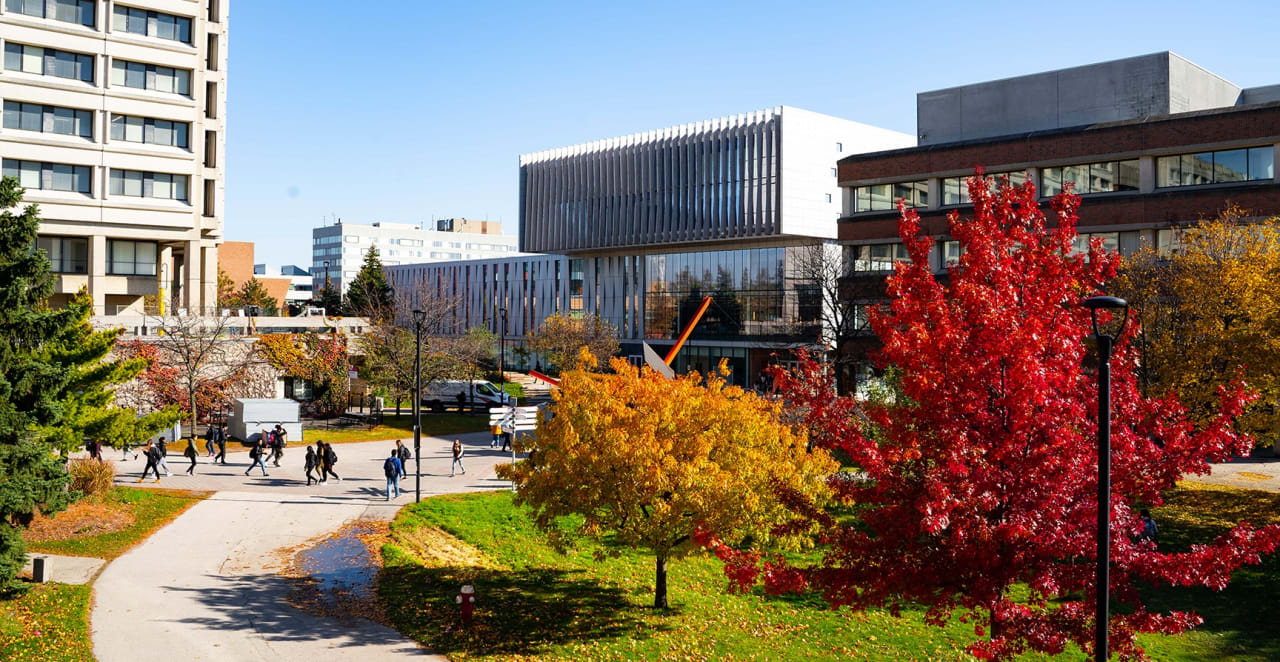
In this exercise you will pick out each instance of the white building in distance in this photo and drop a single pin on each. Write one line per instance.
(338, 250)
(114, 124)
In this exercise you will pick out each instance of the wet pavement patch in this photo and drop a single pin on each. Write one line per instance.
(337, 575)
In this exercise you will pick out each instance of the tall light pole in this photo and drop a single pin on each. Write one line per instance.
(419, 318)
(502, 352)
(1105, 344)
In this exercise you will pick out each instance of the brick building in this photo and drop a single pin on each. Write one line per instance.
(1160, 143)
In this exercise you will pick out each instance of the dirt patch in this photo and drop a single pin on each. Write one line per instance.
(336, 575)
(83, 519)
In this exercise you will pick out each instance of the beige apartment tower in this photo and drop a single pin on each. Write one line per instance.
(113, 122)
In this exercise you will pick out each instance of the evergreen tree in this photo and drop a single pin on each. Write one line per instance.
(369, 294)
(226, 290)
(254, 293)
(329, 298)
(55, 384)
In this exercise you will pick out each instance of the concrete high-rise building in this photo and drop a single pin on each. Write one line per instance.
(338, 250)
(113, 122)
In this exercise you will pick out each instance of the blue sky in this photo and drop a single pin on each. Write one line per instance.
(420, 109)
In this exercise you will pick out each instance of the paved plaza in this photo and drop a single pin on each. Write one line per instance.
(206, 586)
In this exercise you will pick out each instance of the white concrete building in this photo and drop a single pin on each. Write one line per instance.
(300, 284)
(113, 122)
(340, 249)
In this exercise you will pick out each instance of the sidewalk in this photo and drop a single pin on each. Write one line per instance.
(205, 587)
(1260, 471)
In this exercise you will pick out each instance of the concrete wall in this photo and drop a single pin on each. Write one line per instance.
(1142, 86)
(1265, 94)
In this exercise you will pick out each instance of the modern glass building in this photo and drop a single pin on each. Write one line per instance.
(639, 229)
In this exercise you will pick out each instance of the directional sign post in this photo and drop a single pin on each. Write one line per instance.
(512, 420)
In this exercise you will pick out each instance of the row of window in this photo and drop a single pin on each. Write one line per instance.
(70, 255)
(1222, 166)
(151, 24)
(79, 66)
(883, 197)
(40, 176)
(1227, 165)
(123, 19)
(869, 258)
(75, 122)
(150, 77)
(67, 11)
(48, 62)
(48, 119)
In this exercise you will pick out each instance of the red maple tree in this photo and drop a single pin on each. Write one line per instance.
(979, 476)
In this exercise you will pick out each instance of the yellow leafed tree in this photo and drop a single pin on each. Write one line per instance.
(646, 461)
(1210, 312)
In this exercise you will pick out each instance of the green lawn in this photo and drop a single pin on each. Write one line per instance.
(50, 622)
(535, 604)
(400, 427)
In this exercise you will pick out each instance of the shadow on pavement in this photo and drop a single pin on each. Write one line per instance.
(259, 604)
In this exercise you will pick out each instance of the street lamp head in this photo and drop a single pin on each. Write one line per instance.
(419, 314)
(1094, 304)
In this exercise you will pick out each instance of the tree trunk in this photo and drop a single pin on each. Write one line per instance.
(660, 589)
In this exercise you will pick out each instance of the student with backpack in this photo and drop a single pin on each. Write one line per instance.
(278, 442)
(220, 440)
(405, 455)
(190, 452)
(326, 466)
(392, 469)
(457, 458)
(164, 452)
(310, 464)
(257, 458)
(153, 462)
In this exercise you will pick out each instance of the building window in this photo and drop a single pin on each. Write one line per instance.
(955, 190)
(48, 119)
(951, 252)
(1104, 177)
(876, 257)
(67, 11)
(1222, 166)
(1110, 242)
(150, 77)
(50, 176)
(883, 197)
(138, 184)
(828, 197)
(150, 131)
(210, 191)
(211, 100)
(69, 255)
(48, 62)
(210, 149)
(151, 24)
(131, 258)
(211, 52)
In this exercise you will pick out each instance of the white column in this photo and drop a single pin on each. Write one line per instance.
(98, 273)
(191, 291)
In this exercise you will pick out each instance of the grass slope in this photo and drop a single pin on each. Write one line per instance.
(50, 622)
(536, 604)
(401, 427)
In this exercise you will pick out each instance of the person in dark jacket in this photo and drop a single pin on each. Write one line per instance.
(310, 464)
(405, 455)
(164, 452)
(330, 459)
(190, 452)
(210, 433)
(153, 462)
(220, 440)
(392, 469)
(258, 457)
(278, 437)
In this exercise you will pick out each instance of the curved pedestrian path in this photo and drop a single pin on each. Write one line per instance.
(205, 587)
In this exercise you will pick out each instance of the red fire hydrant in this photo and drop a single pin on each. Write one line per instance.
(467, 598)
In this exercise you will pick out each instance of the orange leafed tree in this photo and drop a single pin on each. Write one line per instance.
(650, 462)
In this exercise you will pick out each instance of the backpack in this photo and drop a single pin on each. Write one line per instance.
(389, 468)
(405, 455)
(255, 452)
(331, 456)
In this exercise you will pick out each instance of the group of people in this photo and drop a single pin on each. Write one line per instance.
(156, 452)
(321, 458)
(393, 468)
(270, 445)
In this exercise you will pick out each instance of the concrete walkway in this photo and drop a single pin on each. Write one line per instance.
(65, 569)
(1260, 471)
(205, 587)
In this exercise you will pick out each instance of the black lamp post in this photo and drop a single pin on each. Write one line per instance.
(1105, 345)
(502, 351)
(419, 317)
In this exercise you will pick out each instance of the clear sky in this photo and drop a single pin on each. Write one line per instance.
(419, 109)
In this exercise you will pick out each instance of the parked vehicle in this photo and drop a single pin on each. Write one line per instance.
(441, 394)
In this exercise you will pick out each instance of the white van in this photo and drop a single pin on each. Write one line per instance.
(443, 394)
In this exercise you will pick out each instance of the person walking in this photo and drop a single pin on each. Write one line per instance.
(209, 434)
(257, 457)
(405, 455)
(330, 459)
(127, 447)
(164, 452)
(496, 431)
(392, 469)
(310, 463)
(153, 462)
(190, 452)
(220, 440)
(278, 446)
(506, 441)
(457, 458)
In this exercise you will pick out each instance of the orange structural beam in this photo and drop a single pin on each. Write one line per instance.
(550, 380)
(688, 329)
